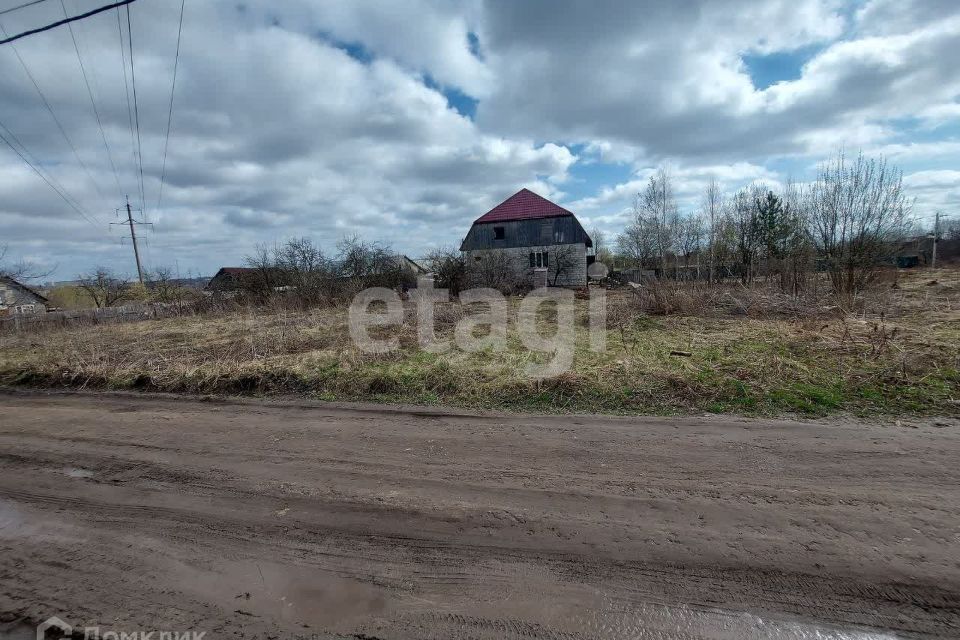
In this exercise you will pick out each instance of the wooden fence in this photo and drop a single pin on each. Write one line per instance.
(129, 313)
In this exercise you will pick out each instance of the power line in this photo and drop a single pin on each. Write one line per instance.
(93, 102)
(50, 184)
(126, 90)
(173, 86)
(136, 108)
(59, 23)
(34, 161)
(22, 6)
(46, 103)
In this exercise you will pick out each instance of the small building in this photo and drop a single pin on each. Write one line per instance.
(230, 278)
(410, 266)
(18, 299)
(527, 232)
(233, 279)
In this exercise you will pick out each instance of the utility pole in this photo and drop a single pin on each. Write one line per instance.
(133, 236)
(136, 251)
(936, 236)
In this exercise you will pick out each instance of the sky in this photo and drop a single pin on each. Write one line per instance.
(402, 122)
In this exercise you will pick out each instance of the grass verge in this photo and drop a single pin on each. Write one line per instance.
(903, 361)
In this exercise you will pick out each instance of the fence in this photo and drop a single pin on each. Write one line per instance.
(129, 313)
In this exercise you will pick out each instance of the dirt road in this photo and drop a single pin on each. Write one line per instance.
(246, 519)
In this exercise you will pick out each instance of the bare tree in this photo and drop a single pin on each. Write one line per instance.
(104, 288)
(448, 268)
(564, 261)
(306, 271)
(636, 244)
(952, 230)
(856, 210)
(600, 249)
(264, 278)
(494, 269)
(371, 265)
(163, 286)
(712, 210)
(20, 270)
(690, 239)
(746, 226)
(724, 244)
(656, 210)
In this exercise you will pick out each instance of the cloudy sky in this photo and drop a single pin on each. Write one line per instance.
(403, 121)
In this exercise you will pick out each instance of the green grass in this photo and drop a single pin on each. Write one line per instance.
(754, 366)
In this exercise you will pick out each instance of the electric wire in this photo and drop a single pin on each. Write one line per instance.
(53, 115)
(126, 89)
(54, 25)
(44, 178)
(22, 6)
(36, 163)
(93, 103)
(173, 87)
(136, 108)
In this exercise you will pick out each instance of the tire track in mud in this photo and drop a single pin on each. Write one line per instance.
(447, 531)
(835, 600)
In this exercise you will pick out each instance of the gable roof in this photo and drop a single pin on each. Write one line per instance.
(413, 263)
(24, 287)
(523, 205)
(233, 271)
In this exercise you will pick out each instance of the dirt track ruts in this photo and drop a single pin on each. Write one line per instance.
(251, 519)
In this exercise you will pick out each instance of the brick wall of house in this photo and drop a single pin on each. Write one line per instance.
(15, 300)
(575, 275)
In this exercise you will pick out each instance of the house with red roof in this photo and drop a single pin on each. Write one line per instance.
(529, 235)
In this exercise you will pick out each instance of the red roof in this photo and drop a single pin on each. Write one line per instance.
(523, 205)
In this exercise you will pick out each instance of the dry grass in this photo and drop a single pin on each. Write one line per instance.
(750, 351)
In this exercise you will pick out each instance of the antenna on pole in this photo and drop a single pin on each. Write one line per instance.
(133, 236)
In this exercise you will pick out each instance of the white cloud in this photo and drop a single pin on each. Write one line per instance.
(670, 81)
(611, 208)
(321, 118)
(934, 190)
(275, 134)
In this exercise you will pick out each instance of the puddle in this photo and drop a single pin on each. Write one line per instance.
(582, 614)
(288, 593)
(77, 472)
(680, 622)
(17, 631)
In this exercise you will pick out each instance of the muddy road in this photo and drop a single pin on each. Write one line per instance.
(247, 519)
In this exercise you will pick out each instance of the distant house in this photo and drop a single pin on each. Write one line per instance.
(17, 298)
(410, 266)
(231, 279)
(527, 232)
(910, 253)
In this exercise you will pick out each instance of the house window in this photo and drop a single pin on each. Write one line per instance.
(539, 259)
(499, 233)
(25, 308)
(558, 236)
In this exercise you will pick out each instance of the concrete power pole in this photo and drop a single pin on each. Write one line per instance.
(136, 251)
(133, 236)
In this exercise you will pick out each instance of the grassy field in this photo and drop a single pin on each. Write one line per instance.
(751, 351)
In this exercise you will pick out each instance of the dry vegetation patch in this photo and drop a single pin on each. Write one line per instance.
(677, 348)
